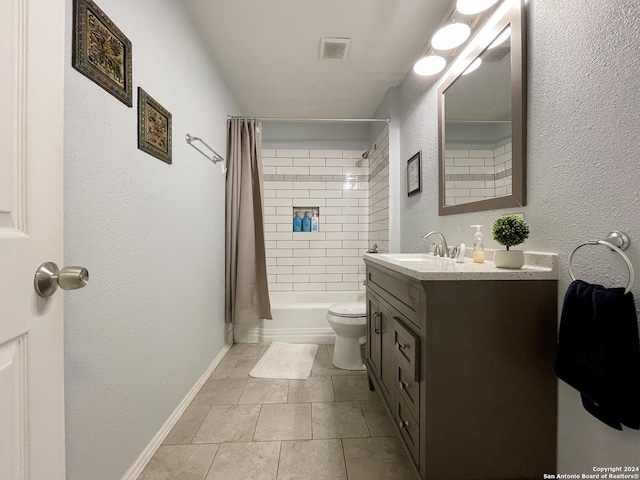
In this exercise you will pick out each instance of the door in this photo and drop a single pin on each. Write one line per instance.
(31, 328)
(373, 334)
(387, 354)
(380, 332)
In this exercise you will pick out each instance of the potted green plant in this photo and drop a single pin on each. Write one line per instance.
(510, 230)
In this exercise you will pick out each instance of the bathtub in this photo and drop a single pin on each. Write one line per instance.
(297, 317)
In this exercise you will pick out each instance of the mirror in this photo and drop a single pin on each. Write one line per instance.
(481, 120)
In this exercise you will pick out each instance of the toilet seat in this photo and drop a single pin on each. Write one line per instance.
(348, 310)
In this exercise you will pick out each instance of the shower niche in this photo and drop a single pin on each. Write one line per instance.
(306, 219)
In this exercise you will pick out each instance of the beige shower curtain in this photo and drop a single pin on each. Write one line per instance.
(247, 292)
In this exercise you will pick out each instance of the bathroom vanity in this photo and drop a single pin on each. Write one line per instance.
(462, 355)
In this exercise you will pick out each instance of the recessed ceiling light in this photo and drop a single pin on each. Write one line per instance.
(429, 65)
(474, 66)
(450, 36)
(471, 7)
(506, 33)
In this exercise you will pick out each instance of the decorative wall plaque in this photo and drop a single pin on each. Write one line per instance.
(101, 51)
(154, 127)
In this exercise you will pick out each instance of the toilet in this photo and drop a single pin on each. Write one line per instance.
(349, 321)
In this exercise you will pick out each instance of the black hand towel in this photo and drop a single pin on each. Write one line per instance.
(599, 352)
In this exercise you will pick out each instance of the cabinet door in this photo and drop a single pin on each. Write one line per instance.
(381, 345)
(387, 354)
(373, 335)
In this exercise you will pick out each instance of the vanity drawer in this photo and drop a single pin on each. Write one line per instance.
(399, 291)
(408, 388)
(409, 429)
(407, 345)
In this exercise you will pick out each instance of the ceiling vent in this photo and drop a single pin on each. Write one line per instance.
(334, 48)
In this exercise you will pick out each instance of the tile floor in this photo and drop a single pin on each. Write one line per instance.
(328, 427)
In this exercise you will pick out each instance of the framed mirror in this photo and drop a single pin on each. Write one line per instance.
(482, 120)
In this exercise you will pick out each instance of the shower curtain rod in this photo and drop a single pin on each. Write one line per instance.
(326, 120)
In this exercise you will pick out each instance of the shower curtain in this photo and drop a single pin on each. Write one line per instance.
(247, 291)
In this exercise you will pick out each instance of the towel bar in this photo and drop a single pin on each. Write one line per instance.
(622, 241)
(215, 158)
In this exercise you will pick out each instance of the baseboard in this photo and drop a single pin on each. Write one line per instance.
(138, 466)
(259, 334)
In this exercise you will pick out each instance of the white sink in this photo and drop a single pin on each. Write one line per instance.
(424, 266)
(414, 257)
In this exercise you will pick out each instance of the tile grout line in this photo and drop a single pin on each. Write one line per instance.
(213, 460)
(199, 427)
(288, 392)
(365, 419)
(333, 387)
(246, 380)
(344, 458)
(255, 427)
(279, 458)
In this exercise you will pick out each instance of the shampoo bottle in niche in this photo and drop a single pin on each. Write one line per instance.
(478, 246)
(314, 222)
(297, 223)
(306, 222)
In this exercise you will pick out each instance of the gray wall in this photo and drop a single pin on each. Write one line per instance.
(583, 175)
(151, 320)
(320, 136)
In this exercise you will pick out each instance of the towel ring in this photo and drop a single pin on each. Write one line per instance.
(612, 247)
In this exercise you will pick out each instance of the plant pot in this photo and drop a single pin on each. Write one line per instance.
(508, 259)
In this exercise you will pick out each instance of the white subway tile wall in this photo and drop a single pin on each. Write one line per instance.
(474, 175)
(378, 199)
(353, 202)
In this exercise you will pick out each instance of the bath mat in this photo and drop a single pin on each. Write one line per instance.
(287, 361)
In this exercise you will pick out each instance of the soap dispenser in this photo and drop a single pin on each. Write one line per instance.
(478, 246)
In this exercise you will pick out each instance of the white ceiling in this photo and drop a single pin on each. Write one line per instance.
(267, 51)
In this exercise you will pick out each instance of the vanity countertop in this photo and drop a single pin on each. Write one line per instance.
(421, 266)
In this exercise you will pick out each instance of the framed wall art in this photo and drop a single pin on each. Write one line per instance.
(414, 174)
(154, 127)
(101, 51)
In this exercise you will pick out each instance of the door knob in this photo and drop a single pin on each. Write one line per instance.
(49, 277)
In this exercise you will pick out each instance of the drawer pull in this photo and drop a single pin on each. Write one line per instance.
(402, 424)
(401, 346)
(403, 385)
(376, 322)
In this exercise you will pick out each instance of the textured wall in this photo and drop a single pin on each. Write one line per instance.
(583, 175)
(151, 234)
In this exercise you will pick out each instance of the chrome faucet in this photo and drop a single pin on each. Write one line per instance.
(373, 249)
(444, 248)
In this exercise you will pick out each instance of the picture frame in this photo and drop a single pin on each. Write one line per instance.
(154, 127)
(414, 174)
(101, 52)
